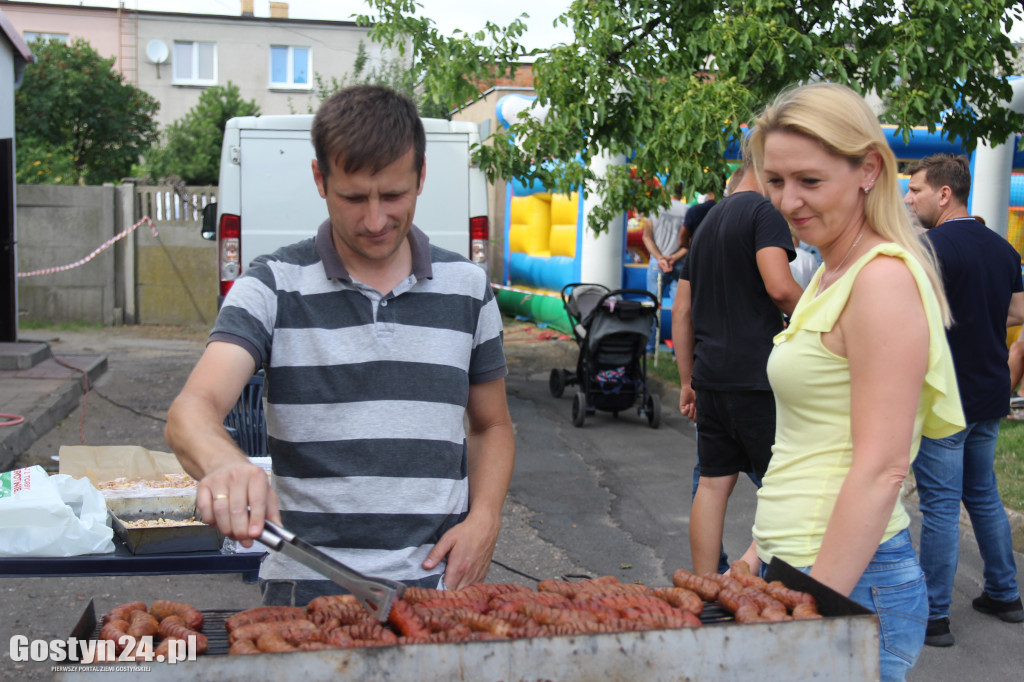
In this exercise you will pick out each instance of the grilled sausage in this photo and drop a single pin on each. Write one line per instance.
(791, 598)
(681, 598)
(141, 624)
(287, 628)
(272, 642)
(263, 614)
(405, 620)
(173, 627)
(244, 646)
(115, 630)
(192, 616)
(123, 611)
(707, 589)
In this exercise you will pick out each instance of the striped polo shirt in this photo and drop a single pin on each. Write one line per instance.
(365, 398)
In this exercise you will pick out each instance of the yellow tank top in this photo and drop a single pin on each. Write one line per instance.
(813, 448)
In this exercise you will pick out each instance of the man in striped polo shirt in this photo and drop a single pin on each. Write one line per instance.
(376, 346)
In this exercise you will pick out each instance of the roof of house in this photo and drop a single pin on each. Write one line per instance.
(15, 38)
(185, 16)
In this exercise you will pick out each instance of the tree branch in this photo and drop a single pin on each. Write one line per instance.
(648, 28)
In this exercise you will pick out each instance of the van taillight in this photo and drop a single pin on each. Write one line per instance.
(479, 233)
(229, 245)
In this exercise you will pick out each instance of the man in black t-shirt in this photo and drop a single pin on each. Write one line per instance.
(733, 289)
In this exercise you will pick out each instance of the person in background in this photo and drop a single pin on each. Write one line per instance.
(862, 369)
(981, 274)
(804, 265)
(661, 236)
(734, 288)
(388, 427)
(694, 217)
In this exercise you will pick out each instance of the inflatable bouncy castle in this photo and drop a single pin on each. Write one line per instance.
(548, 244)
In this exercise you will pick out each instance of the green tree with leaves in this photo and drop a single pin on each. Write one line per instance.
(191, 146)
(74, 107)
(390, 72)
(669, 84)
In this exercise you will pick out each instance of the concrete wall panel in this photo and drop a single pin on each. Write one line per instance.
(59, 226)
(170, 279)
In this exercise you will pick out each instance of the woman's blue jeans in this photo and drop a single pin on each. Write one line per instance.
(947, 471)
(893, 587)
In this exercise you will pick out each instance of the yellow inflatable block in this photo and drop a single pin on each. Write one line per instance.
(563, 240)
(530, 224)
(1015, 228)
(565, 208)
(564, 215)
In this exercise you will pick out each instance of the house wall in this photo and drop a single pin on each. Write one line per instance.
(243, 49)
(243, 58)
(96, 25)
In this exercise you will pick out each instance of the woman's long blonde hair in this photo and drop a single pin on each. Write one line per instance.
(841, 121)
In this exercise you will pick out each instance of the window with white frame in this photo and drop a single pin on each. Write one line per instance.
(290, 67)
(195, 63)
(32, 36)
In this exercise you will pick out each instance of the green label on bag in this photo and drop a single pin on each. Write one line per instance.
(12, 482)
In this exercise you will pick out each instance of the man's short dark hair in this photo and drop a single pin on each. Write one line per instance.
(946, 170)
(367, 126)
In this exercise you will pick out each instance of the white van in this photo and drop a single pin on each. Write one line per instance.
(267, 198)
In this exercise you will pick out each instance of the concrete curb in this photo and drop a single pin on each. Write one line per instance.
(47, 412)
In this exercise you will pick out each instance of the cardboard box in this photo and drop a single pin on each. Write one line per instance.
(101, 464)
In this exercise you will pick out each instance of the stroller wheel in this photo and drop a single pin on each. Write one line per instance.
(579, 408)
(653, 408)
(556, 382)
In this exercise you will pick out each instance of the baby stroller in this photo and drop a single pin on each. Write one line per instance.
(611, 371)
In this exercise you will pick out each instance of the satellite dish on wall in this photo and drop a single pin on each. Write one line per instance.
(157, 51)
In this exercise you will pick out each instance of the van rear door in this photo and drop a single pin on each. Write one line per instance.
(282, 204)
(442, 210)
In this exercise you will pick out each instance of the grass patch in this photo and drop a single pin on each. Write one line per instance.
(1009, 463)
(667, 370)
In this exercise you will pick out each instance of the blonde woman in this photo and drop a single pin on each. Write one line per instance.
(862, 370)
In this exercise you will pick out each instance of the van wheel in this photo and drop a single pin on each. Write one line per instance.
(579, 409)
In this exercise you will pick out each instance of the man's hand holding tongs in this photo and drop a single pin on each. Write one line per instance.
(236, 497)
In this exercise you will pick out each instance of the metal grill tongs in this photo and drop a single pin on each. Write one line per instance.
(376, 595)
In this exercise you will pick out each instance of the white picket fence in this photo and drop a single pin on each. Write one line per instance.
(182, 205)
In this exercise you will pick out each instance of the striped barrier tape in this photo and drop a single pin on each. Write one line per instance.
(106, 245)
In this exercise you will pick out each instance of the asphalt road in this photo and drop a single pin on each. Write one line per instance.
(611, 498)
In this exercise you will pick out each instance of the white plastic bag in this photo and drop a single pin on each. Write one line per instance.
(43, 515)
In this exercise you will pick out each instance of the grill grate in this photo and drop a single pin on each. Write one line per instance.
(213, 627)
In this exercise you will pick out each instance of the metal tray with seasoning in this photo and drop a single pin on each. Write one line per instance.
(166, 537)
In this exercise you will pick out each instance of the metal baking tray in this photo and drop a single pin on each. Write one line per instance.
(162, 539)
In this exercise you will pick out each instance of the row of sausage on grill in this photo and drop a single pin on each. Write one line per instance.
(479, 612)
